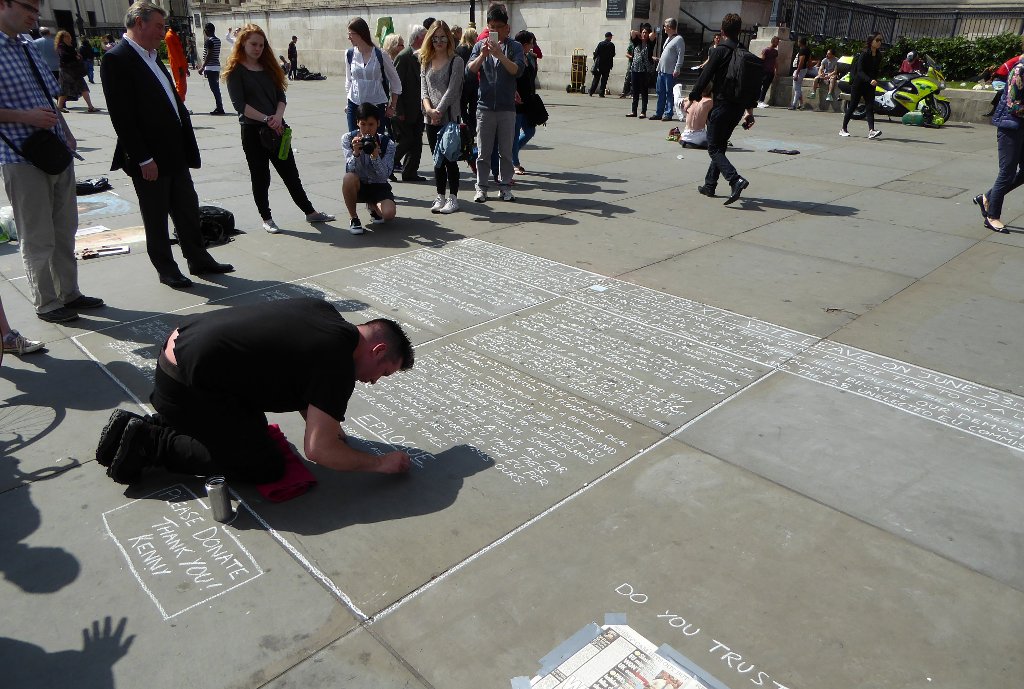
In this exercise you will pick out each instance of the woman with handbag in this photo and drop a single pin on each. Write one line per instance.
(72, 73)
(526, 92)
(1009, 119)
(441, 92)
(256, 86)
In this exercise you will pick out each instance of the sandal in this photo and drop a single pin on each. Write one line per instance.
(64, 110)
(93, 110)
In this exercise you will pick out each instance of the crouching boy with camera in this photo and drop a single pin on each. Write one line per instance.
(369, 159)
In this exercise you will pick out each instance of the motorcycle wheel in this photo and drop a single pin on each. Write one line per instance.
(943, 109)
(859, 114)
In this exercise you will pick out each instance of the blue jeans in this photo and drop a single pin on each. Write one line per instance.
(90, 69)
(213, 78)
(1011, 169)
(524, 132)
(663, 88)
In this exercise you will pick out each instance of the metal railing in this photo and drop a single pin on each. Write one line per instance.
(843, 19)
(707, 33)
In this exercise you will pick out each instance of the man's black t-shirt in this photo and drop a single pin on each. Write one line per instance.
(279, 356)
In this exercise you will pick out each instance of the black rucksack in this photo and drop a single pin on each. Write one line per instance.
(743, 77)
(217, 225)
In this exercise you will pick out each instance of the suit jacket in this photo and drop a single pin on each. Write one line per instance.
(407, 64)
(143, 118)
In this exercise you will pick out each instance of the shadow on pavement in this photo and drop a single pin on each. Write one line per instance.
(344, 499)
(753, 203)
(28, 666)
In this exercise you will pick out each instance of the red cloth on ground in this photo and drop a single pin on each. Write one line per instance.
(296, 480)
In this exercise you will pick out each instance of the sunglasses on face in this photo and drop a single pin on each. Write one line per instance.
(439, 39)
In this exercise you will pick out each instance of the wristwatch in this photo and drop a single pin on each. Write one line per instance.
(266, 118)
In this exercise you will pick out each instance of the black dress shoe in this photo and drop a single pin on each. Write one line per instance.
(84, 302)
(59, 315)
(211, 268)
(979, 201)
(707, 191)
(737, 189)
(178, 281)
(413, 178)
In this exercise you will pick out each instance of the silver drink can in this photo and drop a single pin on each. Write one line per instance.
(220, 499)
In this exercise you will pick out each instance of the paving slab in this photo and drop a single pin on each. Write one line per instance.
(749, 580)
(130, 583)
(802, 292)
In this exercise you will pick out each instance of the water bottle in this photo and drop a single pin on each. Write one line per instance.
(286, 144)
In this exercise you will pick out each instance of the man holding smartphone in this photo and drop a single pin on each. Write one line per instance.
(498, 61)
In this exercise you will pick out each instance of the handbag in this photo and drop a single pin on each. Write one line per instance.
(536, 113)
(42, 148)
(279, 145)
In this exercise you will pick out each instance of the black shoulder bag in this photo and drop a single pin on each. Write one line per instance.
(42, 148)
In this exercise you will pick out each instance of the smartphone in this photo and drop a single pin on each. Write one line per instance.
(492, 39)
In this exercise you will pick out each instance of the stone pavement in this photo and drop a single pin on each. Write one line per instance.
(783, 437)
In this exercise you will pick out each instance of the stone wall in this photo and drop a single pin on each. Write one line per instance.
(563, 27)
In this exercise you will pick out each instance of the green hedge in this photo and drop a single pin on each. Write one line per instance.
(962, 59)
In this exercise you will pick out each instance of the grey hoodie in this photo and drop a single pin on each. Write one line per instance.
(497, 86)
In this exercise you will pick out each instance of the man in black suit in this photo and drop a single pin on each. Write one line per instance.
(156, 145)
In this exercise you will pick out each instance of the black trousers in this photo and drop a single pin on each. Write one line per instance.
(259, 160)
(409, 148)
(640, 85)
(627, 83)
(213, 78)
(601, 76)
(446, 176)
(858, 92)
(171, 193)
(766, 83)
(207, 434)
(721, 122)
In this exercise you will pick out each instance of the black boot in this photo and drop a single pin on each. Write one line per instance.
(139, 449)
(110, 436)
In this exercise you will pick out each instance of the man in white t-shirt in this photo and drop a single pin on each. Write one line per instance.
(828, 72)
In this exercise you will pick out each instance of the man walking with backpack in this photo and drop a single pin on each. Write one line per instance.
(732, 96)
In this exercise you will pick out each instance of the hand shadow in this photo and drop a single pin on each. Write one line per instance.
(28, 666)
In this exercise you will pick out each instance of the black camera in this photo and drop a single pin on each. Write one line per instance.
(369, 144)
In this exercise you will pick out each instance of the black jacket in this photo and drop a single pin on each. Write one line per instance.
(868, 67)
(143, 118)
(604, 53)
(407, 64)
(714, 71)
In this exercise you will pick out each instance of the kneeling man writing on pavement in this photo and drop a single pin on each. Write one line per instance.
(219, 373)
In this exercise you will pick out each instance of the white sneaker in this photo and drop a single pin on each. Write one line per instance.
(270, 226)
(762, 105)
(438, 204)
(16, 343)
(450, 206)
(506, 195)
(843, 132)
(874, 133)
(481, 196)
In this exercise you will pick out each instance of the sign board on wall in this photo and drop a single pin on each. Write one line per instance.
(616, 9)
(642, 9)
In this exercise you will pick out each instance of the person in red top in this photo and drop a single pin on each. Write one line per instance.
(999, 80)
(912, 64)
(179, 64)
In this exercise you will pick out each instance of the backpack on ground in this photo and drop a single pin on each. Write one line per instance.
(216, 225)
(744, 73)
